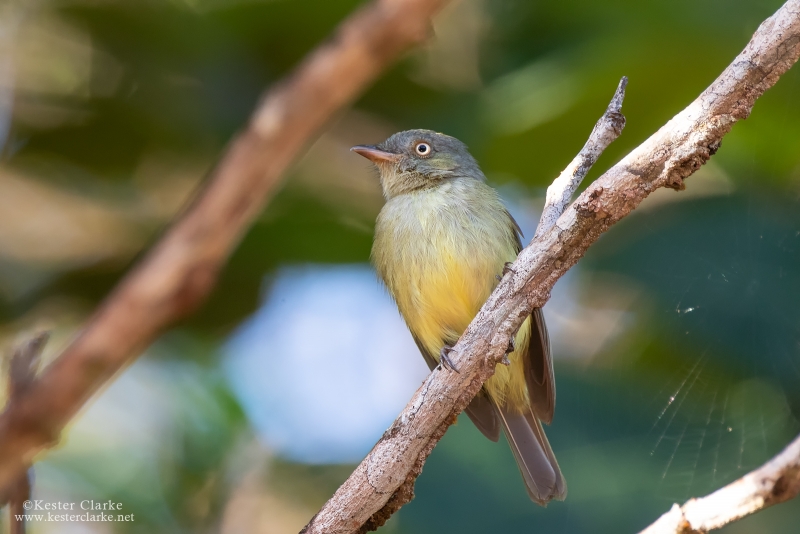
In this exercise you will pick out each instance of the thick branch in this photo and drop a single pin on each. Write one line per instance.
(775, 482)
(607, 129)
(384, 480)
(182, 268)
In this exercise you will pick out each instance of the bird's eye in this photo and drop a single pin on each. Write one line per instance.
(423, 149)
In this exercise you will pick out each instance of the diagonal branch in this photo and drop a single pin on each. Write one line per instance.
(178, 273)
(384, 480)
(776, 481)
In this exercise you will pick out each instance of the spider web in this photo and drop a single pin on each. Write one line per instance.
(727, 330)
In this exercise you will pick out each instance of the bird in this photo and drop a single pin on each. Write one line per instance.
(442, 241)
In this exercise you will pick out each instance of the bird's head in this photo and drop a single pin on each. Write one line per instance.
(419, 159)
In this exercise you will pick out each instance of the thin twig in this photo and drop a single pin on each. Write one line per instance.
(25, 364)
(20, 492)
(560, 192)
(178, 273)
(384, 480)
(22, 371)
(776, 481)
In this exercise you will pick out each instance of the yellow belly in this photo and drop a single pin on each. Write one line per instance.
(440, 267)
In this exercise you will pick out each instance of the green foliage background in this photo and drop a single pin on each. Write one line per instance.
(699, 386)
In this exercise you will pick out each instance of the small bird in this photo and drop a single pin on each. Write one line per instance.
(442, 240)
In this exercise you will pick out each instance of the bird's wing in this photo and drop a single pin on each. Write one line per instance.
(538, 366)
(480, 410)
(538, 362)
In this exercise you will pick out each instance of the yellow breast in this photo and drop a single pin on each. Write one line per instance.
(439, 251)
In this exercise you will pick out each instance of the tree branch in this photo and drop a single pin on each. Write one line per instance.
(605, 132)
(177, 274)
(384, 480)
(22, 371)
(776, 481)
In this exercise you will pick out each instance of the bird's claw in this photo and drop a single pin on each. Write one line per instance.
(444, 359)
(512, 346)
(507, 268)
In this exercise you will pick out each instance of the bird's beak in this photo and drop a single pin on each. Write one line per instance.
(375, 154)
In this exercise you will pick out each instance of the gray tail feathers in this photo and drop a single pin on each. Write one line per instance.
(535, 458)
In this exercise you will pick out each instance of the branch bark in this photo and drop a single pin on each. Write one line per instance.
(384, 480)
(776, 481)
(605, 132)
(177, 274)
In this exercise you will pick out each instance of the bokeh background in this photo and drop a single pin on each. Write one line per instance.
(677, 337)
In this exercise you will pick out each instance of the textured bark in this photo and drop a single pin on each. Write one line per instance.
(605, 132)
(666, 159)
(182, 268)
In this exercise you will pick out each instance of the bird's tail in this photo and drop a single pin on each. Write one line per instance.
(533, 454)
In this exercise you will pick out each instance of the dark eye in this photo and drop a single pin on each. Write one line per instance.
(423, 149)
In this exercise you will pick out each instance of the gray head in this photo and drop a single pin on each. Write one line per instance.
(419, 159)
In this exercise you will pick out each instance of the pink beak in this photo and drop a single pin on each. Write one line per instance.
(375, 154)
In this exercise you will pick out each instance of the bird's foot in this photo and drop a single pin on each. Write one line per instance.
(444, 359)
(506, 269)
(512, 346)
